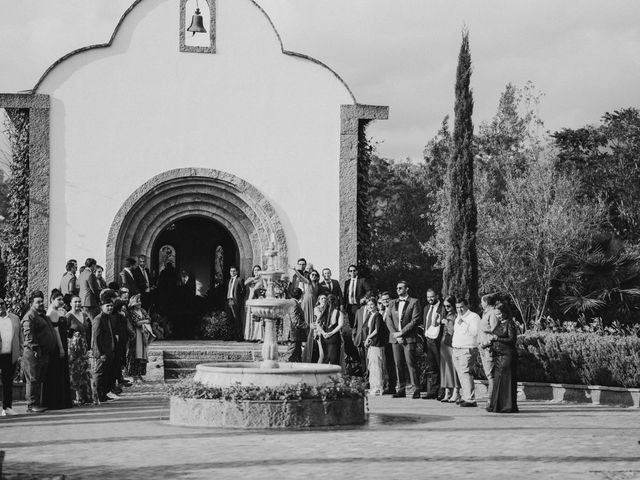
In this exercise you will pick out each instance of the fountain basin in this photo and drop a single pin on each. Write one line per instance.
(248, 373)
(269, 307)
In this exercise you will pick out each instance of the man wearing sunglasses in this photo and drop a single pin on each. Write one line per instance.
(402, 318)
(10, 347)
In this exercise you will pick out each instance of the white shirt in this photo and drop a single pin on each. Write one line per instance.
(402, 302)
(6, 334)
(432, 328)
(465, 333)
(352, 291)
(231, 283)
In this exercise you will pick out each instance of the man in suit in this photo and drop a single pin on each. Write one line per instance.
(89, 289)
(329, 286)
(298, 330)
(402, 318)
(360, 333)
(128, 276)
(39, 341)
(235, 297)
(432, 329)
(103, 348)
(10, 349)
(355, 289)
(68, 283)
(295, 281)
(142, 278)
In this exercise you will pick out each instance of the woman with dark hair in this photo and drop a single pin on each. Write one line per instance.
(376, 341)
(329, 326)
(253, 331)
(137, 357)
(79, 338)
(505, 356)
(314, 352)
(448, 377)
(56, 391)
(99, 273)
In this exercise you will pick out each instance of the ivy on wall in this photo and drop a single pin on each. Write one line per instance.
(365, 150)
(15, 230)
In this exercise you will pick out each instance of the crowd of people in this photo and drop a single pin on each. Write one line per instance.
(92, 335)
(377, 336)
(78, 350)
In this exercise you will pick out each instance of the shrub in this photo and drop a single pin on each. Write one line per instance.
(579, 358)
(342, 387)
(217, 326)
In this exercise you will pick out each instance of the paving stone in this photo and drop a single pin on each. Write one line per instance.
(131, 438)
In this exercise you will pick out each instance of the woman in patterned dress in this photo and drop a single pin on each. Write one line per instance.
(79, 338)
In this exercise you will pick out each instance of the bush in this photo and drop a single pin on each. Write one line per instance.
(217, 326)
(579, 358)
(338, 388)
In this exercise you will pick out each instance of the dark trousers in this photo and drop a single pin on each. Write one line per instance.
(233, 311)
(391, 368)
(351, 313)
(332, 353)
(101, 377)
(404, 355)
(7, 370)
(432, 353)
(34, 370)
(294, 352)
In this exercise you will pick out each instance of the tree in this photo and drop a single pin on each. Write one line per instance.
(526, 237)
(460, 275)
(605, 161)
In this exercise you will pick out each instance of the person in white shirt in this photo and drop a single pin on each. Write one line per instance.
(10, 347)
(432, 327)
(465, 344)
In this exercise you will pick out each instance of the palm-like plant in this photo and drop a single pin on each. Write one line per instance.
(601, 280)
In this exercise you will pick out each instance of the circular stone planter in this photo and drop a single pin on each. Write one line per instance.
(248, 373)
(266, 414)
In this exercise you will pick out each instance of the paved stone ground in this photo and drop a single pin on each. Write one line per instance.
(130, 438)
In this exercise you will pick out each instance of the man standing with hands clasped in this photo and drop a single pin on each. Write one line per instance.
(402, 318)
(433, 313)
(465, 345)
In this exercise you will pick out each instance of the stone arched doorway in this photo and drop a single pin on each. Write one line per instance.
(173, 196)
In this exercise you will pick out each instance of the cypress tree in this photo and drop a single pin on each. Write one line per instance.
(460, 275)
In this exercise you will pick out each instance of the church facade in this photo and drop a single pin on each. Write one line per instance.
(196, 147)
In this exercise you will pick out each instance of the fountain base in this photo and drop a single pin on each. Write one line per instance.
(277, 373)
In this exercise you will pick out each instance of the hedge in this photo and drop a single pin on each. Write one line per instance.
(579, 358)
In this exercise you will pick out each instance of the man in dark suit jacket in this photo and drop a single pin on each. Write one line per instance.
(142, 278)
(89, 289)
(295, 280)
(402, 318)
(360, 333)
(432, 330)
(355, 289)
(329, 286)
(235, 299)
(128, 276)
(103, 347)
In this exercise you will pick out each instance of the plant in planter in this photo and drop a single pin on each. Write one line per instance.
(216, 325)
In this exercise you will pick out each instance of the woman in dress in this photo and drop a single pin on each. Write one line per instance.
(56, 389)
(138, 355)
(311, 288)
(505, 356)
(376, 341)
(313, 352)
(253, 331)
(448, 376)
(329, 327)
(79, 338)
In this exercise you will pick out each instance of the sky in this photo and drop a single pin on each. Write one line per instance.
(583, 55)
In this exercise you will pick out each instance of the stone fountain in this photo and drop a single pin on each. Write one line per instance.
(269, 372)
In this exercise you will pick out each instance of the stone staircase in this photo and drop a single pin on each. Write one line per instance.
(169, 360)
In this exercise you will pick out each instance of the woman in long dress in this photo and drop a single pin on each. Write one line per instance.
(253, 331)
(141, 322)
(56, 389)
(376, 341)
(79, 339)
(503, 346)
(448, 376)
(313, 352)
(311, 289)
(330, 325)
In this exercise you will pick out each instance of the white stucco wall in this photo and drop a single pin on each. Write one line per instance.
(123, 114)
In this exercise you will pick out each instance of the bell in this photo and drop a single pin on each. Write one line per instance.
(197, 25)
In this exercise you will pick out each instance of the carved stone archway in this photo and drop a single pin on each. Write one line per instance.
(186, 192)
